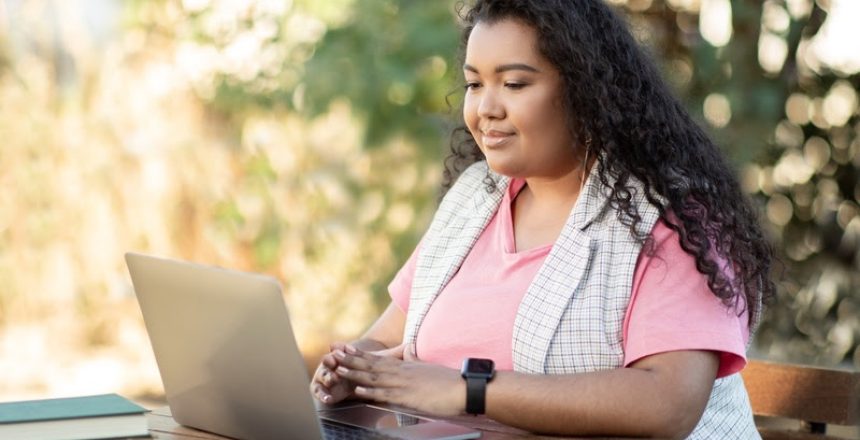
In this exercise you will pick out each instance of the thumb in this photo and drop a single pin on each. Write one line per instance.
(409, 353)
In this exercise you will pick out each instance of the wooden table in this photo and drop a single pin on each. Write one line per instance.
(163, 427)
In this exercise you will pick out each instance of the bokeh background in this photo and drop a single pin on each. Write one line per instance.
(304, 139)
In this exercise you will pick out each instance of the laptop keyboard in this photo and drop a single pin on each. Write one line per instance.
(335, 431)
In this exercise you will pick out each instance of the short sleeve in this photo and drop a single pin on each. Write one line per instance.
(672, 308)
(400, 288)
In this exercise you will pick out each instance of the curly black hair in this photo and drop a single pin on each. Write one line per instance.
(614, 95)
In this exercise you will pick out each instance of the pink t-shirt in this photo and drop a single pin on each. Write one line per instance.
(473, 316)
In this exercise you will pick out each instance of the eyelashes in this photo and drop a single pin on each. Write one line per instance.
(509, 85)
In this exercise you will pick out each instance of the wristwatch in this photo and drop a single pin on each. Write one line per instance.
(477, 372)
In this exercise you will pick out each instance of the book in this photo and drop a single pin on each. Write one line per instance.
(73, 418)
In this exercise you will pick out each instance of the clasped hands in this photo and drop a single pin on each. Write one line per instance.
(394, 375)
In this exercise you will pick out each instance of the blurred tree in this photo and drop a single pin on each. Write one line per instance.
(394, 61)
(304, 139)
(747, 69)
(789, 122)
(790, 128)
(382, 66)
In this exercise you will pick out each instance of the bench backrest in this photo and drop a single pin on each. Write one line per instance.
(816, 396)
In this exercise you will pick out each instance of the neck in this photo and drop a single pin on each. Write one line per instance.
(543, 207)
(559, 190)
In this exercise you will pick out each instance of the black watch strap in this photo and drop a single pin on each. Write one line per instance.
(476, 394)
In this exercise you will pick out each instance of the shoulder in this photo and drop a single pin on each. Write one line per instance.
(672, 308)
(665, 238)
(470, 179)
(471, 188)
(470, 198)
(612, 206)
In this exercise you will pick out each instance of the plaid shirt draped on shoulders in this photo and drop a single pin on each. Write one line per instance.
(570, 319)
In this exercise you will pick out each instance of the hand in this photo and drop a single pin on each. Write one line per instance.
(330, 388)
(326, 385)
(402, 380)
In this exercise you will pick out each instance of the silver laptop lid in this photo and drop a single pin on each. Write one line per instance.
(225, 349)
(229, 361)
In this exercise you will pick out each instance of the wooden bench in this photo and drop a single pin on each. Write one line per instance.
(815, 396)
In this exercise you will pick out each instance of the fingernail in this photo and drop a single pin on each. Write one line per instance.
(339, 354)
(342, 370)
(360, 390)
(326, 398)
(351, 350)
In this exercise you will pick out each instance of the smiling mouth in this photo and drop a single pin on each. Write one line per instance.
(494, 138)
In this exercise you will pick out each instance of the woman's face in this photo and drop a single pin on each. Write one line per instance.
(513, 104)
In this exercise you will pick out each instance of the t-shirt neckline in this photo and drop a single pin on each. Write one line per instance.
(506, 216)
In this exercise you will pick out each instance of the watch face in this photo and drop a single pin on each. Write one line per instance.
(479, 366)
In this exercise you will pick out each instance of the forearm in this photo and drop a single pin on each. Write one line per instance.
(588, 404)
(386, 332)
(623, 402)
(366, 343)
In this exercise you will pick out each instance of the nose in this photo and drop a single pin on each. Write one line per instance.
(491, 106)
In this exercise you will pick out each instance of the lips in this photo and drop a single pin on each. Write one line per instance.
(494, 138)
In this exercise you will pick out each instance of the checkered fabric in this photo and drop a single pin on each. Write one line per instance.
(570, 320)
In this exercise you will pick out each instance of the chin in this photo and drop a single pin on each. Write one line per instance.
(503, 168)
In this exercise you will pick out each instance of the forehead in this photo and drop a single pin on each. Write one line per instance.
(503, 41)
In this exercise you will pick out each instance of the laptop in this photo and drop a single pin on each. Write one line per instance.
(230, 364)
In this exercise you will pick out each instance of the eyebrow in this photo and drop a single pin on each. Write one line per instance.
(505, 68)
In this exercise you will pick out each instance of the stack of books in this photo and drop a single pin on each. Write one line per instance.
(74, 418)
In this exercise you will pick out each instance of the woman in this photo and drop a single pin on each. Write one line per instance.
(593, 244)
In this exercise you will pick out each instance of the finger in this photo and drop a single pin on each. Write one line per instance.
(319, 373)
(362, 361)
(367, 378)
(334, 380)
(328, 379)
(336, 346)
(352, 349)
(370, 363)
(321, 393)
(333, 394)
(329, 361)
(341, 390)
(386, 395)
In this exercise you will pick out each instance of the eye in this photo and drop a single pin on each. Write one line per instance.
(515, 85)
(471, 85)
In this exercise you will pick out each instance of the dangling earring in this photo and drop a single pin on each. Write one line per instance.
(585, 161)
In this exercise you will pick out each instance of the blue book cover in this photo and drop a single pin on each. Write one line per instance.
(67, 408)
(105, 416)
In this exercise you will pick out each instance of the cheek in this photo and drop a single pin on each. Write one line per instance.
(547, 117)
(470, 113)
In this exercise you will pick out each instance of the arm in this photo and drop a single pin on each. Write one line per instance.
(663, 395)
(387, 330)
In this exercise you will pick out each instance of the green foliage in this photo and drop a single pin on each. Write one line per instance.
(394, 61)
(304, 139)
(798, 166)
